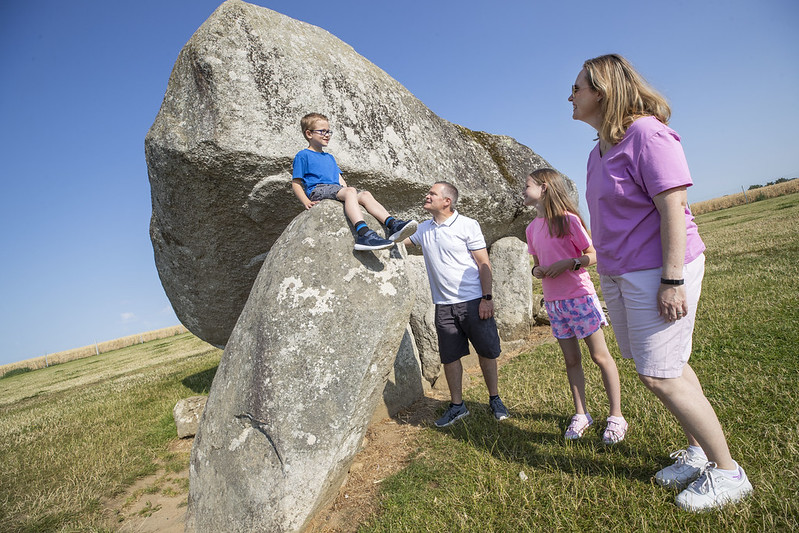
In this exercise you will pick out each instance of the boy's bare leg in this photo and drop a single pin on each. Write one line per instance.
(372, 206)
(349, 195)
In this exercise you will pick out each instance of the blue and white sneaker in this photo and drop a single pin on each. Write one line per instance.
(453, 414)
(402, 229)
(372, 241)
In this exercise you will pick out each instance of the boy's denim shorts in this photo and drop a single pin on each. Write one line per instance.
(325, 191)
(578, 317)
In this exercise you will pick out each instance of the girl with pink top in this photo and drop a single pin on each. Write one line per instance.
(561, 249)
(651, 263)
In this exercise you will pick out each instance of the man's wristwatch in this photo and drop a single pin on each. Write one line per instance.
(487, 297)
(577, 264)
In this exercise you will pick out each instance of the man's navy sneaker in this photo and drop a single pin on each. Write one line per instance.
(402, 229)
(453, 414)
(498, 408)
(372, 241)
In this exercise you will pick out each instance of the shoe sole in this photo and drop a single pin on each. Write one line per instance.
(365, 247)
(404, 233)
(501, 417)
(462, 415)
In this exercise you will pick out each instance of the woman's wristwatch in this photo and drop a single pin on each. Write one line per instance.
(577, 264)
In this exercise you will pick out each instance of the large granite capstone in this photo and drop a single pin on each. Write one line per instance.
(220, 150)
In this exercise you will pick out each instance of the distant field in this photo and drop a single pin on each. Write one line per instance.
(92, 349)
(742, 198)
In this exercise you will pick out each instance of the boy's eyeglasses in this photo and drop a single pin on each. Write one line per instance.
(323, 133)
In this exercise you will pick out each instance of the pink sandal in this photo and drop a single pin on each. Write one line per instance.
(616, 430)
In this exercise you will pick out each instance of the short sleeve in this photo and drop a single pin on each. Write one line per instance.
(528, 233)
(475, 240)
(662, 164)
(579, 234)
(298, 166)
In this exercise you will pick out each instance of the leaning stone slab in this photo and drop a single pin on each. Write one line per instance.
(220, 150)
(299, 379)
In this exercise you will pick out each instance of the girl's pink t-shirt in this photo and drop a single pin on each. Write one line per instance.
(549, 249)
(625, 224)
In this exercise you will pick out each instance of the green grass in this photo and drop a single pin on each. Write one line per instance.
(745, 352)
(76, 433)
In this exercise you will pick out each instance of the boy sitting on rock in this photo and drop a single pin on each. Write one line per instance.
(316, 177)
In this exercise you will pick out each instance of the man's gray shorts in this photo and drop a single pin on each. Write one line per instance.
(457, 324)
(325, 191)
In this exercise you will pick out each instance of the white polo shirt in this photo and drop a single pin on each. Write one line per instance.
(447, 249)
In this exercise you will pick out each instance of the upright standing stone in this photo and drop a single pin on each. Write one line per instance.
(299, 380)
(513, 288)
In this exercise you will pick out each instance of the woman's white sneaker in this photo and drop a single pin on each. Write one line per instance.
(713, 489)
(686, 468)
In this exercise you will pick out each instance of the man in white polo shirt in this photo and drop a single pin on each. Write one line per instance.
(460, 278)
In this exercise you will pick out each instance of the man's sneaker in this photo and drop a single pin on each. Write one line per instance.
(401, 230)
(371, 241)
(453, 414)
(578, 426)
(714, 489)
(686, 468)
(498, 408)
(615, 431)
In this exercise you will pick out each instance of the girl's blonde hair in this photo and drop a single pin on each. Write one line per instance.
(626, 96)
(556, 201)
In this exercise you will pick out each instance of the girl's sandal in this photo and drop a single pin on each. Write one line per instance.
(616, 430)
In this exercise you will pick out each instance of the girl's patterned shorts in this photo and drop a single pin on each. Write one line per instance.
(578, 317)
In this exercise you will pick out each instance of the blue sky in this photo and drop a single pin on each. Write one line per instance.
(82, 82)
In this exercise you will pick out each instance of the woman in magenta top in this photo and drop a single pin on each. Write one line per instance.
(651, 263)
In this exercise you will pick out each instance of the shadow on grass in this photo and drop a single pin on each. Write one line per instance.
(512, 441)
(201, 381)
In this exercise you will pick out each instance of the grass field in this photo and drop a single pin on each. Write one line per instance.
(75, 434)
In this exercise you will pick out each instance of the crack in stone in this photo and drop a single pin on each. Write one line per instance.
(260, 426)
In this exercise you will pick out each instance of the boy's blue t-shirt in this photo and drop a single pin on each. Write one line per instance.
(314, 168)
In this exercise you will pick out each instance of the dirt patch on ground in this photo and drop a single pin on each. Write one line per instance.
(158, 503)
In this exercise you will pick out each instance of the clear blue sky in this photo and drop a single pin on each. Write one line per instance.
(81, 82)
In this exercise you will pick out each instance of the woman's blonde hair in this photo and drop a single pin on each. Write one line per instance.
(556, 201)
(626, 95)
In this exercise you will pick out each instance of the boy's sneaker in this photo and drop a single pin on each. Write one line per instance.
(686, 468)
(453, 414)
(714, 489)
(498, 408)
(578, 426)
(402, 229)
(371, 241)
(615, 431)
